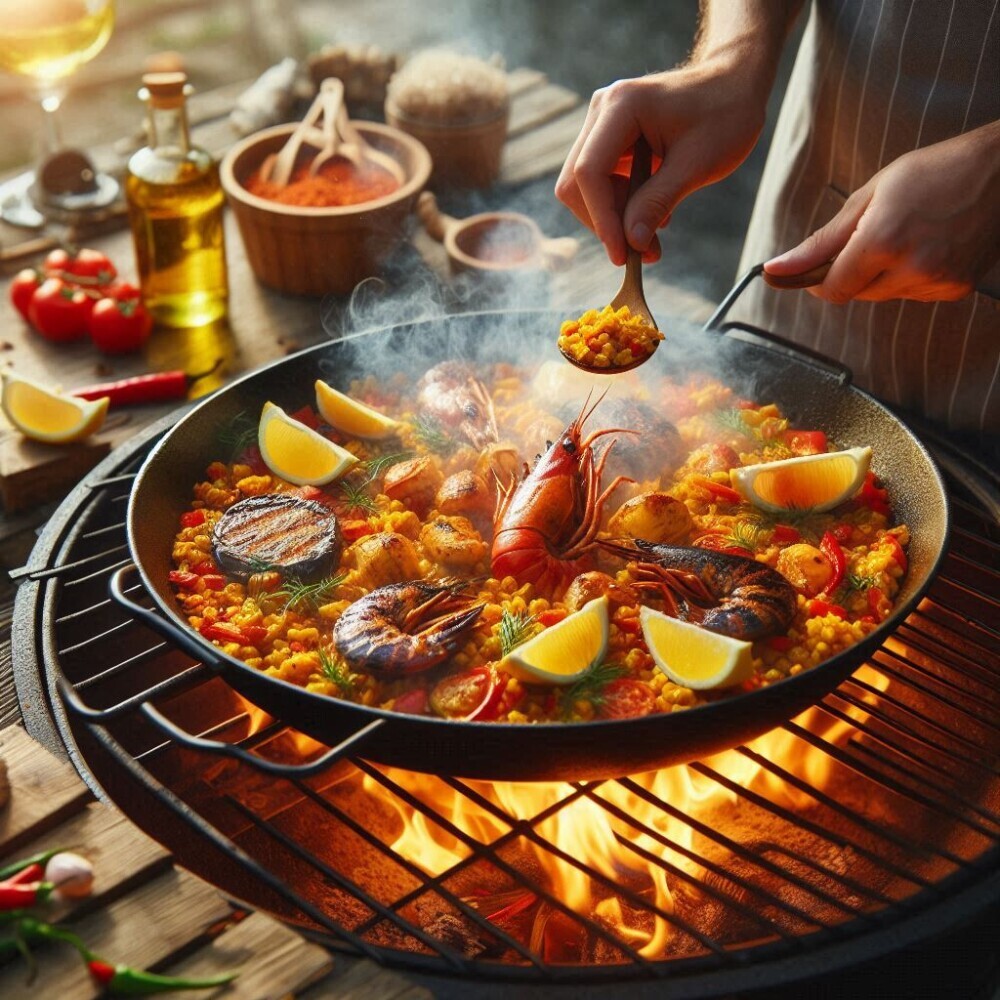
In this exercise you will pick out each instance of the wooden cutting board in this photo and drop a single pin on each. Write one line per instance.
(147, 912)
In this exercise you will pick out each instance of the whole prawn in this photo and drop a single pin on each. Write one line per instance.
(404, 628)
(547, 522)
(452, 395)
(733, 595)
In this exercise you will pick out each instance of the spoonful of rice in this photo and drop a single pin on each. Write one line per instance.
(622, 335)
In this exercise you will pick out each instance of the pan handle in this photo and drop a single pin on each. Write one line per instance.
(181, 637)
(348, 745)
(714, 324)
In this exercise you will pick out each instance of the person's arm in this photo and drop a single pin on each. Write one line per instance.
(925, 227)
(701, 121)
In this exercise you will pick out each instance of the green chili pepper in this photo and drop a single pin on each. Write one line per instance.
(14, 867)
(125, 981)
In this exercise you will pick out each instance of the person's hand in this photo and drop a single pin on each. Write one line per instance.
(926, 227)
(701, 122)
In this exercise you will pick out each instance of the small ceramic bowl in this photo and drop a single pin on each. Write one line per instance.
(318, 251)
(465, 156)
(494, 242)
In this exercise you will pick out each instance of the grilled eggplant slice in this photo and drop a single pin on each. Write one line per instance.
(297, 537)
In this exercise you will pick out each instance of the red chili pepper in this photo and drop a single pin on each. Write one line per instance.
(22, 896)
(819, 609)
(782, 643)
(126, 981)
(785, 533)
(830, 547)
(897, 552)
(17, 867)
(32, 873)
(192, 518)
(155, 387)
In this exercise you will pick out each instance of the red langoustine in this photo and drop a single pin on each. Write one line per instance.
(451, 395)
(546, 523)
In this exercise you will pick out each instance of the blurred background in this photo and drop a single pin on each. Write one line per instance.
(582, 45)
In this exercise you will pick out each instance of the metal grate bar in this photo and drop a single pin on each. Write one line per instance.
(852, 762)
(125, 478)
(165, 744)
(123, 667)
(103, 572)
(117, 528)
(136, 702)
(50, 572)
(886, 698)
(940, 597)
(738, 849)
(510, 870)
(453, 958)
(428, 882)
(878, 715)
(109, 634)
(968, 667)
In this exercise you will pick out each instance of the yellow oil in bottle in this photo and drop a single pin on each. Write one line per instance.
(175, 211)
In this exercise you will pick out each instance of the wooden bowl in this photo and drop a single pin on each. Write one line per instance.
(319, 251)
(466, 156)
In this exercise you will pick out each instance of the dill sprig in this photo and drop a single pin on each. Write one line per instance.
(356, 496)
(336, 672)
(732, 419)
(374, 467)
(591, 686)
(514, 629)
(434, 437)
(299, 596)
(743, 534)
(856, 581)
(240, 433)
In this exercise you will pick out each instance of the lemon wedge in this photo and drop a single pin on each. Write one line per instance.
(809, 482)
(298, 453)
(563, 652)
(350, 416)
(43, 415)
(691, 655)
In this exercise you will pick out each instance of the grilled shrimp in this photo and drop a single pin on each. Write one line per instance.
(453, 541)
(405, 628)
(589, 586)
(452, 395)
(729, 594)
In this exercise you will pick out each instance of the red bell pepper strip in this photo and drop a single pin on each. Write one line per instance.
(785, 533)
(724, 494)
(192, 518)
(782, 643)
(820, 609)
(223, 632)
(156, 387)
(830, 548)
(875, 597)
(897, 552)
(805, 442)
(873, 495)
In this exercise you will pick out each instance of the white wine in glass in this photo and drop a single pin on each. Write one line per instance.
(47, 41)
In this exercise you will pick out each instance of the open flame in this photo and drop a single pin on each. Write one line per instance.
(618, 829)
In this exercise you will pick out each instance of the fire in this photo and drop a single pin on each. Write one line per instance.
(614, 828)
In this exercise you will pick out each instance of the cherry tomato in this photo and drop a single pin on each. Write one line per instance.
(118, 326)
(412, 702)
(805, 442)
(59, 311)
(717, 542)
(86, 267)
(23, 288)
(626, 698)
(192, 518)
(473, 694)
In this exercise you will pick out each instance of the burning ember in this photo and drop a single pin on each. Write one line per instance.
(577, 872)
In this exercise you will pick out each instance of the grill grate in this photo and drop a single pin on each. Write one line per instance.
(910, 825)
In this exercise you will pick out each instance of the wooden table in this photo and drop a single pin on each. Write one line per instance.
(263, 326)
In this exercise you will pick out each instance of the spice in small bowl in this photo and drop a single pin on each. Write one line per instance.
(338, 182)
(608, 338)
(457, 106)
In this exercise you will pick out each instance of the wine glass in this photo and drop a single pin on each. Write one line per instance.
(47, 41)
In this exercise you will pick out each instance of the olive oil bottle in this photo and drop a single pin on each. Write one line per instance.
(175, 212)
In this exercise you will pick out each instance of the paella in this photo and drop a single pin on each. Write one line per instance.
(501, 545)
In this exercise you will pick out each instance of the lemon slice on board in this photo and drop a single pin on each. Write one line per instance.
(691, 655)
(563, 652)
(298, 453)
(43, 415)
(350, 416)
(809, 482)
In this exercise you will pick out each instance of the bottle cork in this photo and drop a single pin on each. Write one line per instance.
(164, 90)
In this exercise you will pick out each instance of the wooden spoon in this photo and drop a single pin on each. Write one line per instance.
(630, 294)
(355, 145)
(331, 94)
(277, 167)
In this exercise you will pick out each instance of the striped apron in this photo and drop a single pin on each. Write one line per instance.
(872, 80)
